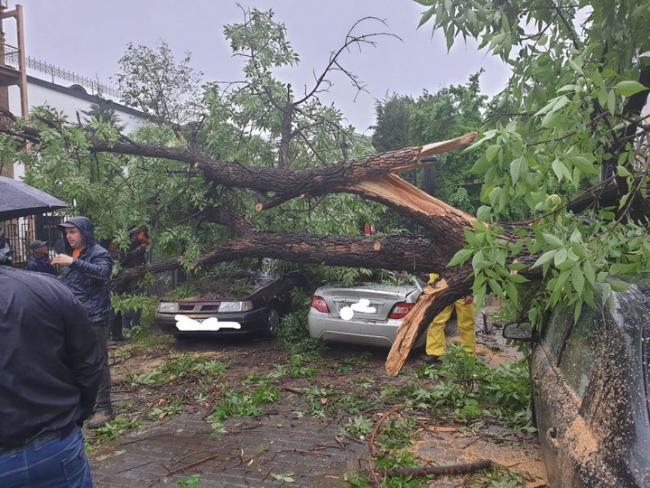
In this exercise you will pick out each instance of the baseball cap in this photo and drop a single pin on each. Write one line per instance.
(37, 244)
(66, 225)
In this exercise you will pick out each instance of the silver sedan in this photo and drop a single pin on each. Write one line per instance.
(366, 314)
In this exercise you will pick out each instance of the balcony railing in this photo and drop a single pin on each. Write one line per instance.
(95, 87)
(10, 55)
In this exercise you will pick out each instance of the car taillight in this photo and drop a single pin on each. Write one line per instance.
(400, 310)
(319, 304)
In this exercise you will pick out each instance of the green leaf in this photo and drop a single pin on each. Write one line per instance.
(628, 88)
(492, 151)
(560, 170)
(579, 250)
(575, 66)
(618, 285)
(560, 257)
(577, 311)
(621, 268)
(494, 195)
(567, 88)
(483, 213)
(553, 241)
(285, 478)
(622, 171)
(544, 258)
(576, 236)
(460, 257)
(481, 166)
(496, 288)
(578, 280)
(449, 36)
(426, 16)
(519, 279)
(517, 168)
(611, 102)
(589, 273)
(561, 103)
(585, 165)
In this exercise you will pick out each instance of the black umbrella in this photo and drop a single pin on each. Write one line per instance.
(18, 199)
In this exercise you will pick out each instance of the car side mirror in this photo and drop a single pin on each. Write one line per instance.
(519, 331)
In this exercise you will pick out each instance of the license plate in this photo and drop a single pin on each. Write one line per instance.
(211, 324)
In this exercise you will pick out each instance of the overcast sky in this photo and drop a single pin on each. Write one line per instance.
(89, 36)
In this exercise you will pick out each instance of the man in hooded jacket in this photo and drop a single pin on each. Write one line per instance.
(87, 271)
(50, 367)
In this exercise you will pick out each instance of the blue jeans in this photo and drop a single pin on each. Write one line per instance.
(47, 463)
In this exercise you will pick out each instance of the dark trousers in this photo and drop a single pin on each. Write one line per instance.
(47, 462)
(103, 402)
(115, 322)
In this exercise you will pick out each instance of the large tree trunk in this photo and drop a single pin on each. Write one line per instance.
(416, 255)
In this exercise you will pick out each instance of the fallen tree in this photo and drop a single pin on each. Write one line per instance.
(445, 228)
(553, 132)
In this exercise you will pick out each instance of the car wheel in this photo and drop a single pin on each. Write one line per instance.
(272, 324)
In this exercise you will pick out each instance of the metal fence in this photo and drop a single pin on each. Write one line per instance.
(22, 231)
(95, 87)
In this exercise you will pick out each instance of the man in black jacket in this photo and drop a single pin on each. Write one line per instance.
(50, 369)
(87, 270)
(40, 260)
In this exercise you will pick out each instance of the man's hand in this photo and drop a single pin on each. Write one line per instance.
(468, 299)
(63, 259)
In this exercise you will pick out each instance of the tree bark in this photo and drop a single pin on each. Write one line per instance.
(392, 253)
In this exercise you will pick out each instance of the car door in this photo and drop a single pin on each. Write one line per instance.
(570, 446)
(550, 392)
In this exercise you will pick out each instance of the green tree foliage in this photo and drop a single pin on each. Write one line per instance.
(152, 81)
(567, 123)
(102, 111)
(259, 121)
(403, 121)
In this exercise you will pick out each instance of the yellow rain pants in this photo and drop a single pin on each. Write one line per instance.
(436, 335)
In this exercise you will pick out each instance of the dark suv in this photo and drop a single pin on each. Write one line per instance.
(590, 389)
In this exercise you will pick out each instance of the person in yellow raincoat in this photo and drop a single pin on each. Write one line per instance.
(435, 345)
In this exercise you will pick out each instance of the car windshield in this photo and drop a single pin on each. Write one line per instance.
(236, 286)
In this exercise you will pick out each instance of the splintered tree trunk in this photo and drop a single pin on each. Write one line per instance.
(433, 300)
(444, 224)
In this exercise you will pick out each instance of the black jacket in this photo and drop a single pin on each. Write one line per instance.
(89, 274)
(40, 264)
(50, 364)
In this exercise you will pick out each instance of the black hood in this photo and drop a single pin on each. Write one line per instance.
(87, 231)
